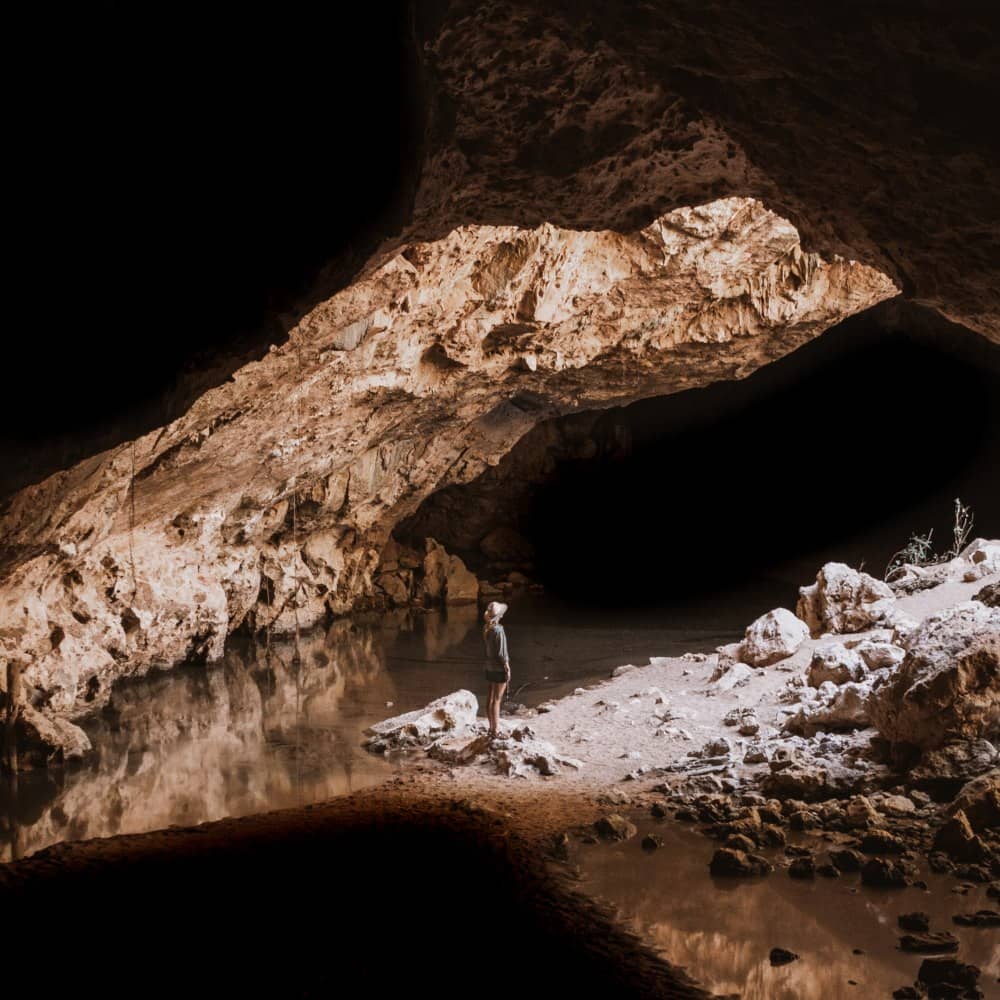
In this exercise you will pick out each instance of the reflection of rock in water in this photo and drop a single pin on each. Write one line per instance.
(265, 729)
(441, 632)
(722, 933)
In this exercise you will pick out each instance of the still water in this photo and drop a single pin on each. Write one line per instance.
(722, 930)
(267, 728)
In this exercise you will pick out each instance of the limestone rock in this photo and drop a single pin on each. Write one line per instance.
(883, 873)
(879, 655)
(726, 657)
(958, 840)
(446, 578)
(833, 707)
(946, 769)
(948, 685)
(950, 971)
(843, 600)
(837, 664)
(615, 827)
(738, 675)
(453, 711)
(44, 740)
(860, 812)
(979, 800)
(989, 595)
(270, 500)
(773, 637)
(729, 863)
(781, 956)
(929, 942)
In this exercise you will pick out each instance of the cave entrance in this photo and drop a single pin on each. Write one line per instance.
(741, 490)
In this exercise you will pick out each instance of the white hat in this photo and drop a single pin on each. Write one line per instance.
(495, 610)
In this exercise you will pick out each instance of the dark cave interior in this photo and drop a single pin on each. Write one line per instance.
(840, 451)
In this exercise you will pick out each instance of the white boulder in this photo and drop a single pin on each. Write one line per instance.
(455, 711)
(773, 637)
(835, 663)
(843, 600)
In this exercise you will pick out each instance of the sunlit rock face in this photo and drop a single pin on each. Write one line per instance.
(864, 131)
(271, 499)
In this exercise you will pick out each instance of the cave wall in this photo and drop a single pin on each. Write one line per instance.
(865, 126)
(273, 496)
(616, 201)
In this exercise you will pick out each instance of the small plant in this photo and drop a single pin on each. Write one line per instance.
(919, 550)
(961, 529)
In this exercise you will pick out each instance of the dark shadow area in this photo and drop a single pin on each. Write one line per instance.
(185, 186)
(394, 901)
(838, 451)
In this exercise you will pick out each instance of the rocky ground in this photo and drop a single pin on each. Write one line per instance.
(864, 722)
(857, 734)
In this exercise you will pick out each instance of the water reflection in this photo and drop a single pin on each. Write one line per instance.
(278, 725)
(722, 931)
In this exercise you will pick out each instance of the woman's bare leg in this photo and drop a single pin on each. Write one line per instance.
(490, 698)
(496, 699)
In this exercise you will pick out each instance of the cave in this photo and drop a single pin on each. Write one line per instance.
(659, 339)
(824, 454)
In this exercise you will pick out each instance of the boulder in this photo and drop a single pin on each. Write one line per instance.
(394, 586)
(860, 813)
(958, 840)
(615, 827)
(929, 941)
(781, 956)
(981, 918)
(948, 685)
(945, 770)
(446, 578)
(989, 595)
(848, 860)
(880, 655)
(884, 874)
(979, 800)
(729, 863)
(832, 708)
(453, 711)
(738, 675)
(46, 740)
(725, 658)
(881, 842)
(983, 556)
(773, 637)
(843, 600)
(837, 664)
(934, 971)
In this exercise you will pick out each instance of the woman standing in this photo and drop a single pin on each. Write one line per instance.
(497, 663)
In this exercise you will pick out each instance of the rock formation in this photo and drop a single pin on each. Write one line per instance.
(271, 500)
(843, 600)
(948, 685)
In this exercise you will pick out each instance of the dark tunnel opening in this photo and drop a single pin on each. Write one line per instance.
(839, 451)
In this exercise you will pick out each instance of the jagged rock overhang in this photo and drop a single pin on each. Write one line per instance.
(275, 493)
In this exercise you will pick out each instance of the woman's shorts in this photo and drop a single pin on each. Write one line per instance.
(496, 676)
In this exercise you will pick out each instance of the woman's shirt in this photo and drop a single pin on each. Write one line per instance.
(496, 645)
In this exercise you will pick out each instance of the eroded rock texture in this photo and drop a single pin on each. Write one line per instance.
(948, 685)
(864, 128)
(271, 499)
